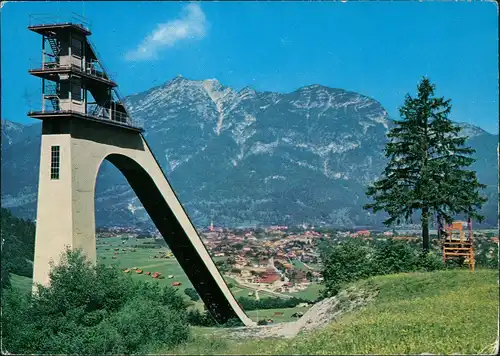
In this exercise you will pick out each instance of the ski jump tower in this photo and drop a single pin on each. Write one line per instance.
(84, 122)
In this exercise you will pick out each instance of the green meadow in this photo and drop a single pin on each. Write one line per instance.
(444, 312)
(143, 258)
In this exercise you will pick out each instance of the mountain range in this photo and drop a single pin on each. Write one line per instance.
(246, 158)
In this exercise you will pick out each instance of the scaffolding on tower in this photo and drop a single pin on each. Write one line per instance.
(75, 84)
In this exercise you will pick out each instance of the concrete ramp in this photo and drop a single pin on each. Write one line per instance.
(66, 215)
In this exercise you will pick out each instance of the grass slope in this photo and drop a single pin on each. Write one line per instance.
(442, 312)
(21, 283)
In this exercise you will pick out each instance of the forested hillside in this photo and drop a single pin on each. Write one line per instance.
(18, 246)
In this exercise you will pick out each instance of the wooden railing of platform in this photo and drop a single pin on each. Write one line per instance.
(456, 245)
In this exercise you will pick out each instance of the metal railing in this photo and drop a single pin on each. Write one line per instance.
(52, 64)
(93, 110)
(106, 114)
(50, 88)
(96, 110)
(92, 70)
(110, 75)
(47, 57)
(98, 55)
(40, 19)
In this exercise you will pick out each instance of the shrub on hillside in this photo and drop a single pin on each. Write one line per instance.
(92, 310)
(18, 246)
(393, 257)
(431, 261)
(192, 294)
(487, 254)
(197, 318)
(231, 323)
(5, 271)
(141, 323)
(344, 263)
(270, 303)
(354, 260)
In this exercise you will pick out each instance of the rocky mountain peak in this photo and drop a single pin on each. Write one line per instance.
(10, 131)
(246, 157)
(470, 130)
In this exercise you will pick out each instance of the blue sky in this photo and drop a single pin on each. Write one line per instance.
(379, 49)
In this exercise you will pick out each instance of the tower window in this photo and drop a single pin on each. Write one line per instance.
(76, 89)
(76, 47)
(54, 162)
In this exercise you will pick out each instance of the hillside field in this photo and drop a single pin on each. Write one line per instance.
(445, 312)
(143, 259)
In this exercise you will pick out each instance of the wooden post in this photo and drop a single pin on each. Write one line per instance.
(472, 259)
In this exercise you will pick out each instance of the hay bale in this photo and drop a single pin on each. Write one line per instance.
(148, 273)
(138, 271)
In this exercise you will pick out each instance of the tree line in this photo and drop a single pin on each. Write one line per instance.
(18, 246)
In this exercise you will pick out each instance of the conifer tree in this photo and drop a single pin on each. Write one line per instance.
(427, 168)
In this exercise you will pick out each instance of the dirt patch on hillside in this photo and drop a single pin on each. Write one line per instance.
(320, 315)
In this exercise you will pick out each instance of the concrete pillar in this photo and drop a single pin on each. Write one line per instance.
(54, 223)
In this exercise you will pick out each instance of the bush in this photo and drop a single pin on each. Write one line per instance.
(141, 321)
(192, 294)
(344, 263)
(487, 254)
(18, 246)
(354, 260)
(92, 310)
(262, 322)
(270, 303)
(394, 257)
(6, 268)
(197, 318)
(431, 262)
(231, 323)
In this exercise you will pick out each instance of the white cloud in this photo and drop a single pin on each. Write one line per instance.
(191, 24)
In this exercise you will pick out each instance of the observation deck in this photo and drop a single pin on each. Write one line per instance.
(75, 83)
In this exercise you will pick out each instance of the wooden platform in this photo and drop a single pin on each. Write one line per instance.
(454, 249)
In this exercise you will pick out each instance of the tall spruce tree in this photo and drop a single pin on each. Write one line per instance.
(427, 168)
